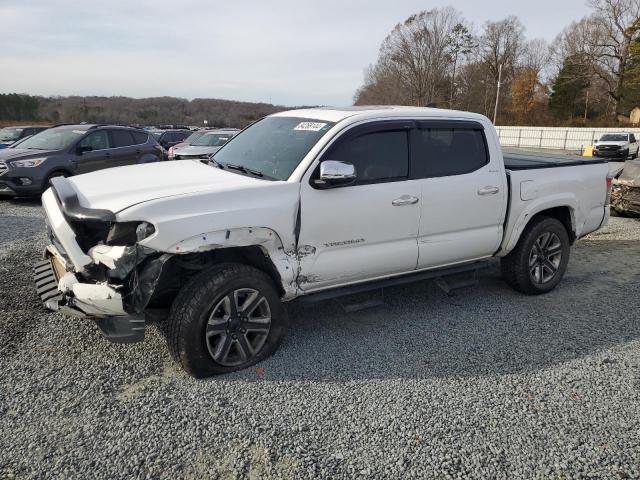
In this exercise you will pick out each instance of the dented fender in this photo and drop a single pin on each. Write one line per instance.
(284, 258)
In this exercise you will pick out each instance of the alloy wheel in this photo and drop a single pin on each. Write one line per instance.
(545, 258)
(238, 327)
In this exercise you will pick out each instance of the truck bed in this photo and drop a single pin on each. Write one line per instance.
(530, 160)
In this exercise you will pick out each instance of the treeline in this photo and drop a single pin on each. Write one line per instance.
(590, 74)
(124, 110)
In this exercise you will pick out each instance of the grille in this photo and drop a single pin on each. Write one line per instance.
(608, 148)
(3, 168)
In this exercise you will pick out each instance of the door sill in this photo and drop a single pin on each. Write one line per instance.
(391, 281)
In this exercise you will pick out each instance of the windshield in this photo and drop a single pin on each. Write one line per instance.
(193, 137)
(274, 146)
(211, 140)
(614, 137)
(9, 134)
(53, 139)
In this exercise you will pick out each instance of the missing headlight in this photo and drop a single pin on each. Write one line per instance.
(129, 233)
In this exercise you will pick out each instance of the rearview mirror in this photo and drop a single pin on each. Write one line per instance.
(335, 174)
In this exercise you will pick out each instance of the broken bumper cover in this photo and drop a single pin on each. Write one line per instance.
(60, 291)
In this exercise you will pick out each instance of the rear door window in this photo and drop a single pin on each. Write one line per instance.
(442, 152)
(121, 138)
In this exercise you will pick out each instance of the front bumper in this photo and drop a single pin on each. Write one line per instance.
(12, 186)
(61, 291)
(611, 153)
(65, 282)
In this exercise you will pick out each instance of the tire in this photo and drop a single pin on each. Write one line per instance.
(525, 269)
(205, 336)
(634, 156)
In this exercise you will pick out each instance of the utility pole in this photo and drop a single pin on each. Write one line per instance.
(495, 110)
(586, 106)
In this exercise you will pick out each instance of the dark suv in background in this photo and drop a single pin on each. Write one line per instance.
(10, 135)
(68, 150)
(169, 138)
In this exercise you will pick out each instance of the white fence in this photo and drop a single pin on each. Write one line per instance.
(557, 138)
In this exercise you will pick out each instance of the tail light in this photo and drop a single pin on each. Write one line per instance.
(608, 197)
(171, 152)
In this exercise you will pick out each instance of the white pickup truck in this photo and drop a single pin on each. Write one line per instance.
(308, 204)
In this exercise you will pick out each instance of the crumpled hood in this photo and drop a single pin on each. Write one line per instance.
(8, 154)
(194, 150)
(116, 189)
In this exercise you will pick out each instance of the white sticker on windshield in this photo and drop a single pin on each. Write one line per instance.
(79, 132)
(310, 126)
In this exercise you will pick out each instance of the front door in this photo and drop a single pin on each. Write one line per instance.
(463, 193)
(97, 156)
(367, 229)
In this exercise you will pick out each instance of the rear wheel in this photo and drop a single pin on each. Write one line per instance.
(226, 319)
(538, 262)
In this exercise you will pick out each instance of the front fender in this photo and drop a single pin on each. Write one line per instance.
(285, 261)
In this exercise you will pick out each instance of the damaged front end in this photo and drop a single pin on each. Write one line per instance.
(91, 265)
(625, 191)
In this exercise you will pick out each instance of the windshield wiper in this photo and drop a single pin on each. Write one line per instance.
(213, 161)
(244, 169)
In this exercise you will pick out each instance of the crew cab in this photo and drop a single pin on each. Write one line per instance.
(307, 204)
(616, 145)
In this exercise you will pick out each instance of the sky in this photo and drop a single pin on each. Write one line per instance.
(280, 51)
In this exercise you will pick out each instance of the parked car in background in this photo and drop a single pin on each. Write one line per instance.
(616, 145)
(10, 135)
(68, 150)
(169, 138)
(310, 204)
(205, 144)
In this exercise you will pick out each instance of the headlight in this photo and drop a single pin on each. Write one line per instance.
(171, 152)
(32, 162)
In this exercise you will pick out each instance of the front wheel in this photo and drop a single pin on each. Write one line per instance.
(225, 319)
(538, 262)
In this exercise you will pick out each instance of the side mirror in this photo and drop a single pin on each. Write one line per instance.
(80, 149)
(335, 174)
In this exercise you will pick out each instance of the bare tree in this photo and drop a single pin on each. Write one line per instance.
(461, 42)
(614, 25)
(500, 47)
(415, 54)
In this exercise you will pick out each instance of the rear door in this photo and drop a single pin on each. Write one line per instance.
(99, 154)
(124, 151)
(463, 191)
(367, 229)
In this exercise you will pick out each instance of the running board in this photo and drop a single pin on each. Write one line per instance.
(393, 281)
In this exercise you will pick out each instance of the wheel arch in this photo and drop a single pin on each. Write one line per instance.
(564, 212)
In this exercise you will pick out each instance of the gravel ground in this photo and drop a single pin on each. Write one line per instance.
(483, 383)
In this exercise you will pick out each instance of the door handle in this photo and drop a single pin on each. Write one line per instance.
(405, 200)
(488, 190)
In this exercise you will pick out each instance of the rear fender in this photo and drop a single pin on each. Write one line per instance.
(532, 208)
